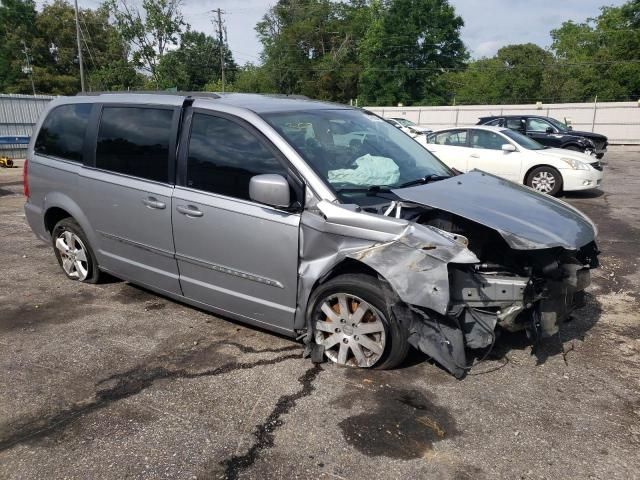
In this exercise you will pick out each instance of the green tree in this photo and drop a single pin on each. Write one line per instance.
(195, 63)
(516, 74)
(149, 35)
(599, 57)
(17, 18)
(50, 37)
(310, 47)
(407, 47)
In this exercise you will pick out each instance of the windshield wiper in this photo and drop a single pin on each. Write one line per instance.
(373, 189)
(424, 180)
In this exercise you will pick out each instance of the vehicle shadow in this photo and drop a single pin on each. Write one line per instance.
(595, 193)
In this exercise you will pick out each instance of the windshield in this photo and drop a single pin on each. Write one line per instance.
(404, 122)
(558, 124)
(522, 140)
(355, 151)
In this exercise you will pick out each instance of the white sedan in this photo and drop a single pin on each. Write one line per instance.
(516, 157)
(408, 127)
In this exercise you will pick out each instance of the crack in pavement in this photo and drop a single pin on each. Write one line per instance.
(130, 383)
(264, 432)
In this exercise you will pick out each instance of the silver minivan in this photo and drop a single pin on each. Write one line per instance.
(315, 220)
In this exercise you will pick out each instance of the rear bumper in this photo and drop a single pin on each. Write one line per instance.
(35, 219)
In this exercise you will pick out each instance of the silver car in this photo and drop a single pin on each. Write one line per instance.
(315, 220)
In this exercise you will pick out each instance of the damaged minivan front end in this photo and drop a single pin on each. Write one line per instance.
(461, 258)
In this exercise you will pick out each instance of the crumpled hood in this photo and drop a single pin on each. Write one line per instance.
(526, 219)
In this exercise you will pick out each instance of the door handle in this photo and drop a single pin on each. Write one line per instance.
(152, 202)
(189, 211)
(474, 155)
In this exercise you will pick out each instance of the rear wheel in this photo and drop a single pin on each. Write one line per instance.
(545, 180)
(73, 252)
(351, 320)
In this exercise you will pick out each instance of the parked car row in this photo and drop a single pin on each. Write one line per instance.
(516, 157)
(540, 152)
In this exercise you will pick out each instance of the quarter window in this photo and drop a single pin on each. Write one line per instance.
(223, 156)
(62, 132)
(135, 141)
(486, 140)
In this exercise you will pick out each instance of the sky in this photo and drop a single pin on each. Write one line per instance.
(489, 24)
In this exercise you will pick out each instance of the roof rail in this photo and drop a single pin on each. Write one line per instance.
(286, 95)
(152, 92)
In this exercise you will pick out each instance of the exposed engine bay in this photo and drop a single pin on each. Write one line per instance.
(514, 290)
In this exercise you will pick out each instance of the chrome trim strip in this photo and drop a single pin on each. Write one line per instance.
(143, 246)
(229, 271)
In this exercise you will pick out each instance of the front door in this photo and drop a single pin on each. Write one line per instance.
(543, 132)
(126, 193)
(235, 255)
(487, 154)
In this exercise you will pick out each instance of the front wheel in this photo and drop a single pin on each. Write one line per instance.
(545, 180)
(73, 252)
(352, 321)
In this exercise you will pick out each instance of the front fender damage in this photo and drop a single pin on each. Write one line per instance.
(413, 261)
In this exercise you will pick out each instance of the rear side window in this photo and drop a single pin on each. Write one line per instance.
(454, 138)
(223, 156)
(135, 141)
(62, 132)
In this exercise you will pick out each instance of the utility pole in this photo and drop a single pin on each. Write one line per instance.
(79, 49)
(28, 69)
(218, 23)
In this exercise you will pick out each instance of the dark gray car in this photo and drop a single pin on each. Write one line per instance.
(314, 220)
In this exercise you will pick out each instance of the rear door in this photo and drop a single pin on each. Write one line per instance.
(235, 255)
(451, 146)
(126, 191)
(487, 155)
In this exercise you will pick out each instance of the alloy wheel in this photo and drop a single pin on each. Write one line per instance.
(73, 254)
(543, 182)
(351, 330)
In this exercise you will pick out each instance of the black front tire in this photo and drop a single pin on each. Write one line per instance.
(91, 264)
(369, 289)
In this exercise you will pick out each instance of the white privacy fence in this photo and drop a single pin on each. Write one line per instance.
(620, 121)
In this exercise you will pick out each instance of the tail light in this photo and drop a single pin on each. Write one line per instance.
(25, 178)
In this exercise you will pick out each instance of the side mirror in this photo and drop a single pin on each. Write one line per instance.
(507, 147)
(549, 130)
(570, 127)
(270, 189)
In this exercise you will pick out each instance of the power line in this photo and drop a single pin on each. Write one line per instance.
(221, 39)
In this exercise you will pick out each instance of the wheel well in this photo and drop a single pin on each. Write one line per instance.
(53, 216)
(526, 175)
(348, 265)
